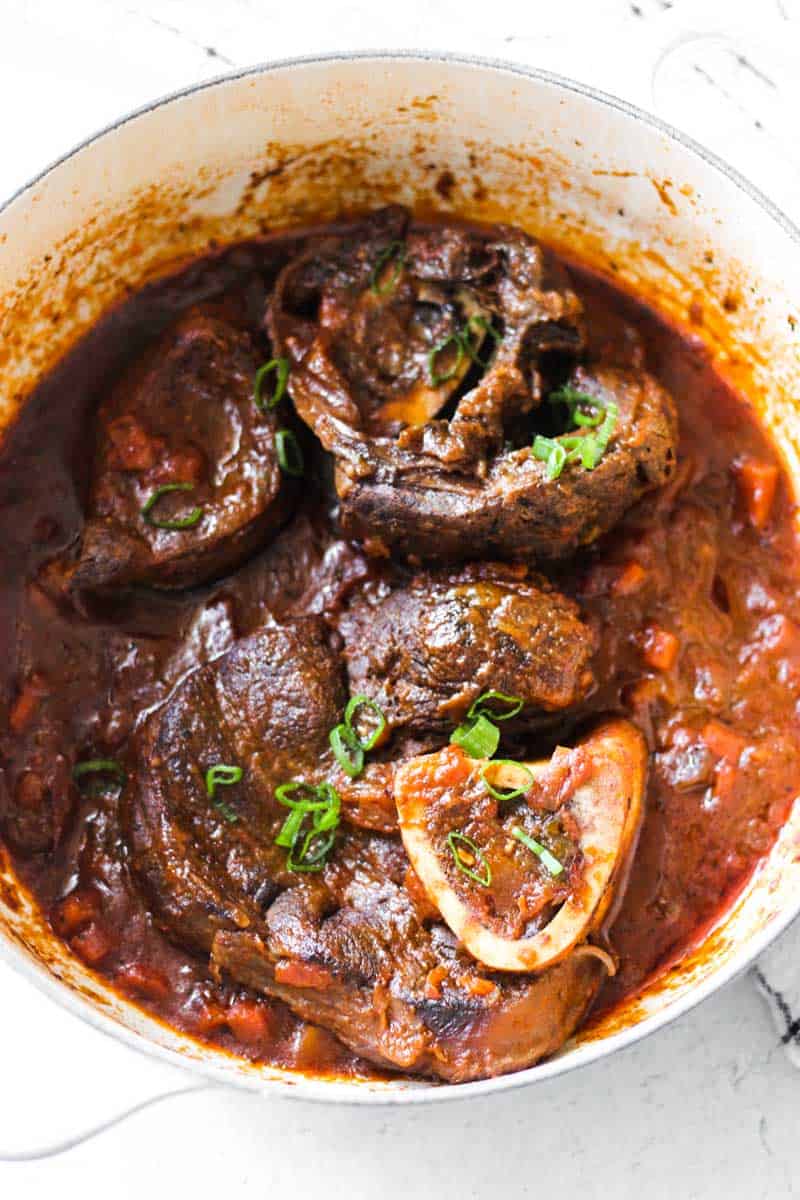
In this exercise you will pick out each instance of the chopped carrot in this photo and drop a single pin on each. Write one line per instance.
(92, 945)
(660, 648)
(477, 986)
(757, 482)
(629, 580)
(143, 981)
(433, 982)
(723, 741)
(26, 703)
(249, 1021)
(302, 974)
(206, 1017)
(74, 913)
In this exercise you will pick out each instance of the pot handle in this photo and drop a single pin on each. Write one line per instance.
(64, 1081)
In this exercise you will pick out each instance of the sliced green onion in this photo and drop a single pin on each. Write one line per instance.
(456, 841)
(226, 811)
(354, 704)
(436, 377)
(100, 766)
(586, 448)
(547, 859)
(484, 327)
(321, 805)
(462, 340)
(186, 522)
(281, 368)
(506, 793)
(299, 794)
(395, 251)
(577, 404)
(550, 451)
(291, 828)
(309, 859)
(478, 737)
(222, 775)
(347, 750)
(486, 705)
(290, 456)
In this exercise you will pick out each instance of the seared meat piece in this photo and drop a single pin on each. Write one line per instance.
(383, 326)
(181, 443)
(426, 650)
(346, 947)
(265, 707)
(510, 508)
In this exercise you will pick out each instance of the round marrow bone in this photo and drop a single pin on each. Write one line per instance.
(603, 778)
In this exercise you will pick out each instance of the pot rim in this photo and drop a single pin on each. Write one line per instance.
(355, 1092)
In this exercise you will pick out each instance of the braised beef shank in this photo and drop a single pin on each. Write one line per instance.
(183, 415)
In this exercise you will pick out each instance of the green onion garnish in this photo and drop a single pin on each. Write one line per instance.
(587, 448)
(222, 775)
(462, 340)
(347, 750)
(477, 736)
(186, 522)
(483, 327)
(281, 368)
(354, 705)
(547, 859)
(290, 456)
(508, 793)
(457, 843)
(320, 804)
(584, 409)
(100, 766)
(396, 252)
(497, 706)
(436, 377)
(347, 742)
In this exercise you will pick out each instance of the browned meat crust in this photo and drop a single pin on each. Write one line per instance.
(427, 649)
(411, 474)
(345, 948)
(183, 414)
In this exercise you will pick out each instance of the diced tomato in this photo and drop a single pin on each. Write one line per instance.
(249, 1021)
(433, 982)
(93, 944)
(660, 648)
(302, 974)
(757, 482)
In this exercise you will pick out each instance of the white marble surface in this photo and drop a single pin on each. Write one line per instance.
(706, 1108)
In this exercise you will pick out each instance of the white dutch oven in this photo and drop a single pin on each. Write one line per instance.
(302, 140)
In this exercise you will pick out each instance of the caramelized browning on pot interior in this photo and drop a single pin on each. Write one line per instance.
(431, 466)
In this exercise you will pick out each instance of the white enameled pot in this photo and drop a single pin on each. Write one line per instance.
(303, 140)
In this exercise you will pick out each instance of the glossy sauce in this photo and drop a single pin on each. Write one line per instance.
(694, 596)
